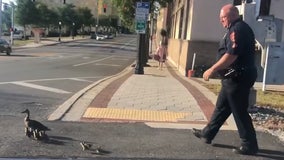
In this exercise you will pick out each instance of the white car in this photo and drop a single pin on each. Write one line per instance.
(18, 35)
(100, 37)
(110, 36)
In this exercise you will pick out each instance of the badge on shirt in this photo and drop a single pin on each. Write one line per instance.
(233, 39)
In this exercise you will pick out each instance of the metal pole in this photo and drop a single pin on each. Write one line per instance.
(193, 61)
(12, 26)
(0, 18)
(151, 33)
(59, 38)
(83, 30)
(265, 69)
(97, 25)
(73, 30)
(139, 69)
(145, 51)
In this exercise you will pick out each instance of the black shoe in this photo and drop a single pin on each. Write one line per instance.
(244, 150)
(198, 134)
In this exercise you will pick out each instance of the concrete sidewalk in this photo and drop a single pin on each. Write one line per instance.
(159, 98)
(164, 100)
(45, 41)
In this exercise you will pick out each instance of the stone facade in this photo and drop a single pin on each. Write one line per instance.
(96, 6)
(194, 27)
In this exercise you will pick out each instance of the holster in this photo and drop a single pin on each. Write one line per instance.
(231, 73)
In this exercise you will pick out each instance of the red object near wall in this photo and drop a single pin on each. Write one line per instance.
(190, 73)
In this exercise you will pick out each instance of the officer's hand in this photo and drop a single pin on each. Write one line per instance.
(207, 74)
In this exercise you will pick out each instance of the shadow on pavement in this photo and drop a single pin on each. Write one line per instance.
(223, 146)
(17, 55)
(62, 138)
(271, 154)
(265, 153)
(57, 140)
(155, 75)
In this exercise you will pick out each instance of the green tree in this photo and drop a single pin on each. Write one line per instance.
(26, 13)
(48, 16)
(126, 9)
(68, 16)
(6, 16)
(85, 17)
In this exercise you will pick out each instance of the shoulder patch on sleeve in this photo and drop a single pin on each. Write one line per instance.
(233, 39)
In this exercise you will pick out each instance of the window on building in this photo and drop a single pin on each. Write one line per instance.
(186, 19)
(174, 25)
(237, 2)
(264, 7)
(170, 20)
(180, 23)
(174, 4)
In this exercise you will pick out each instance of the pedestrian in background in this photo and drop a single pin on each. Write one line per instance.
(161, 51)
(160, 55)
(235, 63)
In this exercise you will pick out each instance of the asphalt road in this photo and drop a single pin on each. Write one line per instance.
(126, 141)
(43, 78)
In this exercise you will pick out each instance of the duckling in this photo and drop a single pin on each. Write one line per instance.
(100, 151)
(28, 132)
(85, 146)
(34, 126)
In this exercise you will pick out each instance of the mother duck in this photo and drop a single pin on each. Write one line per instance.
(34, 127)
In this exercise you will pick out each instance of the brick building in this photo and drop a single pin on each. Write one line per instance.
(194, 27)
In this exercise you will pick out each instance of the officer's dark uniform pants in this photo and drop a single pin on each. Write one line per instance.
(233, 98)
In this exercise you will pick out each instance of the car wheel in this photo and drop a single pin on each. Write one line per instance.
(8, 52)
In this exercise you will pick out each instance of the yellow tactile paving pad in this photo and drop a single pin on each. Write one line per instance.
(135, 115)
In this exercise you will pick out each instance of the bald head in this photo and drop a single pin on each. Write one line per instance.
(228, 14)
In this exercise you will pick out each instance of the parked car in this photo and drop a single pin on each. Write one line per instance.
(98, 36)
(93, 35)
(5, 46)
(109, 36)
(19, 35)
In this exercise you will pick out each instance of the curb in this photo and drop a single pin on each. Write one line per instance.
(72, 102)
(40, 45)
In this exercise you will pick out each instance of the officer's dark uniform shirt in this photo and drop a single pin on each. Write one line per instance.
(239, 40)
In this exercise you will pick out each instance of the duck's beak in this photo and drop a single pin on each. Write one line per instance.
(25, 111)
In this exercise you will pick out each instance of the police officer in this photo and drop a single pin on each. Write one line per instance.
(235, 64)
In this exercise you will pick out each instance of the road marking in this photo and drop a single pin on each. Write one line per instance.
(121, 59)
(134, 114)
(55, 90)
(60, 57)
(127, 44)
(78, 79)
(52, 79)
(81, 64)
(106, 64)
